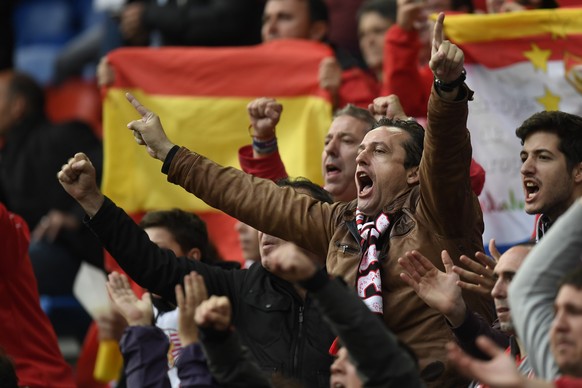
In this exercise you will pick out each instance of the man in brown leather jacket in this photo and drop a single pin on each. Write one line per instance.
(404, 202)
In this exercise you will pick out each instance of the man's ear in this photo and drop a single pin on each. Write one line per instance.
(18, 108)
(194, 254)
(318, 31)
(577, 173)
(412, 175)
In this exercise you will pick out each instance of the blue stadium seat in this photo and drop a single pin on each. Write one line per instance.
(37, 60)
(50, 303)
(43, 21)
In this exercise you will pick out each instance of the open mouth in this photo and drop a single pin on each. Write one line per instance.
(531, 189)
(365, 183)
(331, 169)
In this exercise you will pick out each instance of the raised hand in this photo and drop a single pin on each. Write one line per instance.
(148, 131)
(214, 313)
(188, 299)
(438, 289)
(447, 60)
(494, 252)
(105, 73)
(500, 371)
(290, 262)
(410, 14)
(77, 177)
(110, 325)
(137, 312)
(388, 106)
(264, 114)
(479, 276)
(330, 77)
(51, 225)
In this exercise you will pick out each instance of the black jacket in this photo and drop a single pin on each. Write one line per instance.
(32, 154)
(206, 22)
(284, 333)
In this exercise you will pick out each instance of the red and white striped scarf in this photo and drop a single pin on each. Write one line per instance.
(368, 278)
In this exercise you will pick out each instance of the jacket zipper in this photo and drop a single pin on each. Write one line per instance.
(298, 343)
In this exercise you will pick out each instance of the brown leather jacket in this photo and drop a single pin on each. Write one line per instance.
(440, 213)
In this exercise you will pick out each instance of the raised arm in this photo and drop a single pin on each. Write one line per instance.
(248, 199)
(192, 367)
(446, 196)
(262, 158)
(144, 346)
(152, 267)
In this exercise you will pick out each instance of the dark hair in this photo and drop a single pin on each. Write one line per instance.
(8, 378)
(463, 6)
(318, 11)
(23, 85)
(357, 113)
(414, 146)
(573, 279)
(566, 126)
(188, 230)
(544, 4)
(386, 9)
(314, 190)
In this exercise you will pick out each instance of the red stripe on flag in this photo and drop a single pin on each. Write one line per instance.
(223, 71)
(498, 54)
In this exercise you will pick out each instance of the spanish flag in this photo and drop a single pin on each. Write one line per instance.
(518, 64)
(201, 95)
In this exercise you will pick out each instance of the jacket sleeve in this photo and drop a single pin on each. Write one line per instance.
(192, 368)
(534, 288)
(270, 167)
(150, 266)
(231, 363)
(447, 199)
(145, 353)
(472, 327)
(388, 365)
(401, 73)
(253, 200)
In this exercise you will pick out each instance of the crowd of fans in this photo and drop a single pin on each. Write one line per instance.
(376, 279)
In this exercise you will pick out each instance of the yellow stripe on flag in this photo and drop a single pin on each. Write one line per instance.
(513, 25)
(213, 126)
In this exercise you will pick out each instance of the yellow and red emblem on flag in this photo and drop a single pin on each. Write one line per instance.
(518, 64)
(201, 95)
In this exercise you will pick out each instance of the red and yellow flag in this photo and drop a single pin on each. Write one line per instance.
(201, 95)
(518, 64)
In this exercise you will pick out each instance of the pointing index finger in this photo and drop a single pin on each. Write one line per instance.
(142, 110)
(438, 35)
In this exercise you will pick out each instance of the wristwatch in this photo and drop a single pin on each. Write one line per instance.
(450, 86)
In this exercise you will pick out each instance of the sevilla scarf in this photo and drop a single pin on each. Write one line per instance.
(368, 278)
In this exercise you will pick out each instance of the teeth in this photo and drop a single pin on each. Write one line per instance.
(362, 174)
(529, 184)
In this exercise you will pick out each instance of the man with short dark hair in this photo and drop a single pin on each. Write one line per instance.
(308, 19)
(551, 169)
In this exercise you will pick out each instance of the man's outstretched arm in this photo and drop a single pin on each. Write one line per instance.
(299, 218)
